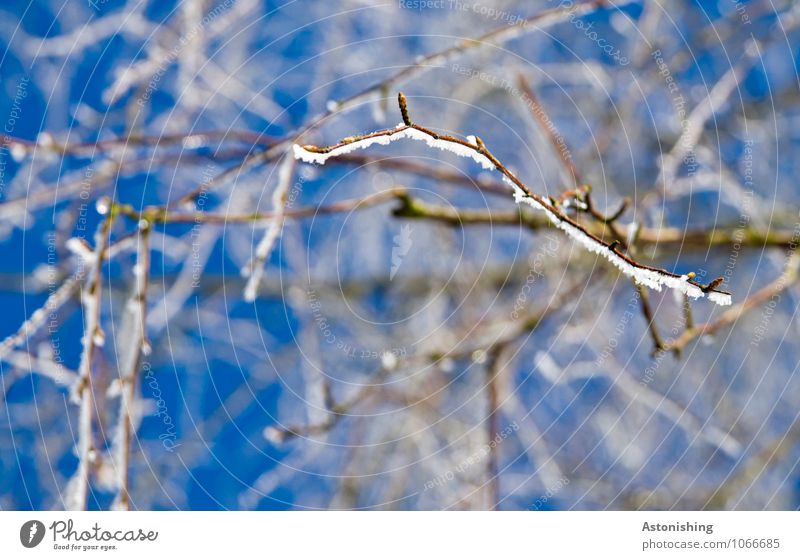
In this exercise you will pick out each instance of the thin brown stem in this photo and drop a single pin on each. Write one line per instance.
(646, 236)
(158, 215)
(647, 311)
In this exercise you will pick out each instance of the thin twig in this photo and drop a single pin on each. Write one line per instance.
(550, 131)
(186, 138)
(647, 311)
(498, 35)
(157, 215)
(688, 316)
(38, 318)
(53, 370)
(254, 270)
(93, 338)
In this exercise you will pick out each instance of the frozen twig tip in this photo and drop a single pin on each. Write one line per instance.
(713, 285)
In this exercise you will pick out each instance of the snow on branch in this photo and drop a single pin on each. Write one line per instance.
(312, 154)
(474, 148)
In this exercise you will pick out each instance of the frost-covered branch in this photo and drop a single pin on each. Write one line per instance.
(254, 270)
(134, 346)
(38, 318)
(474, 148)
(37, 364)
(93, 338)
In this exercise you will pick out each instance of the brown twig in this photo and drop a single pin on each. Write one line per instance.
(646, 236)
(688, 316)
(438, 174)
(338, 411)
(511, 331)
(647, 311)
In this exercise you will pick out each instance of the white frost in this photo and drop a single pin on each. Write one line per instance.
(18, 151)
(274, 435)
(388, 361)
(383, 139)
(719, 299)
(633, 231)
(79, 247)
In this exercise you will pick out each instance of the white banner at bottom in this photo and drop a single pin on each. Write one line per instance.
(401, 535)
